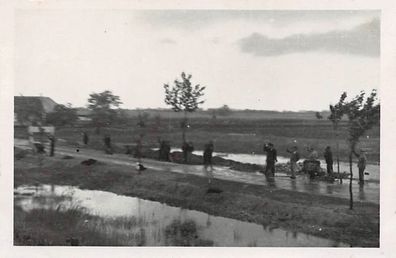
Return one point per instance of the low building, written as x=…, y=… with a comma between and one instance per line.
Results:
x=32, y=110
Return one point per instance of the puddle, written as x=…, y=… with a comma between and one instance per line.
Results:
x=156, y=218
x=259, y=159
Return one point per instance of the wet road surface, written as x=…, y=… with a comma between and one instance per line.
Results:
x=369, y=192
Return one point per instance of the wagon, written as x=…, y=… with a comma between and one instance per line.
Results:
x=311, y=167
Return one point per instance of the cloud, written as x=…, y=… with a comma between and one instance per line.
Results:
x=361, y=40
x=168, y=41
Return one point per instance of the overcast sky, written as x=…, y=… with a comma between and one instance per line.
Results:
x=273, y=60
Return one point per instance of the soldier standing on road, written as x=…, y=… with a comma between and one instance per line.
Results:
x=362, y=166
x=107, y=142
x=328, y=155
x=52, y=145
x=85, y=138
x=271, y=159
x=207, y=159
x=294, y=157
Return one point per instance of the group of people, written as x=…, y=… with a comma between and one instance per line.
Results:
x=312, y=157
x=269, y=149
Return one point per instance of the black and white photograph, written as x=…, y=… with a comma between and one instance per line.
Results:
x=189, y=127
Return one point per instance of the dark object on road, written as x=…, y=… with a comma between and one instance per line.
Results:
x=311, y=167
x=68, y=157
x=73, y=241
x=214, y=190
x=39, y=148
x=140, y=167
x=88, y=162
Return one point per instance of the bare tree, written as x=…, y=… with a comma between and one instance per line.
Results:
x=362, y=114
x=184, y=97
x=337, y=111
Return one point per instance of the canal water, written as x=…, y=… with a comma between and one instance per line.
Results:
x=156, y=217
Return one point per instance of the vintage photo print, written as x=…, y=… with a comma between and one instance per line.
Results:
x=197, y=127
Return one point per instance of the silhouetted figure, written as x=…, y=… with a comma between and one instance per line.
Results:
x=107, y=142
x=85, y=138
x=52, y=145
x=271, y=159
x=164, y=151
x=187, y=148
x=207, y=160
x=294, y=157
x=328, y=155
x=362, y=160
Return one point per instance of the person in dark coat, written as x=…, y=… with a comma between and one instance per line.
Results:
x=52, y=145
x=85, y=138
x=207, y=159
x=187, y=148
x=328, y=155
x=271, y=159
x=107, y=142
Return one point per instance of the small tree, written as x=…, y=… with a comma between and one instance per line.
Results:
x=184, y=97
x=362, y=115
x=62, y=115
x=337, y=111
x=103, y=106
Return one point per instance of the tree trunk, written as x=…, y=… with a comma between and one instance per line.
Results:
x=350, y=182
x=338, y=155
x=184, y=127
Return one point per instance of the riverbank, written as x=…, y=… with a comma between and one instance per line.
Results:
x=322, y=216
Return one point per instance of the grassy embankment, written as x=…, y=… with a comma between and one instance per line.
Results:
x=322, y=216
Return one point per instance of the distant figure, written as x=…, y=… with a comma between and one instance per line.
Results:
x=328, y=155
x=187, y=148
x=52, y=145
x=164, y=151
x=207, y=159
x=85, y=138
x=107, y=142
x=271, y=159
x=294, y=157
x=362, y=166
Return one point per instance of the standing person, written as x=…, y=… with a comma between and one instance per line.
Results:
x=85, y=138
x=328, y=155
x=107, y=142
x=52, y=145
x=362, y=166
x=207, y=159
x=294, y=157
x=187, y=148
x=271, y=159
x=185, y=151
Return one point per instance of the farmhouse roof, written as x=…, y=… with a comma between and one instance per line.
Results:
x=38, y=102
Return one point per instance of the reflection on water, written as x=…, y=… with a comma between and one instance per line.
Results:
x=153, y=223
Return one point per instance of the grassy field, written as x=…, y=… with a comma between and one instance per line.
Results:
x=230, y=134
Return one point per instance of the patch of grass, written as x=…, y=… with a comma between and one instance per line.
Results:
x=184, y=234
